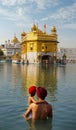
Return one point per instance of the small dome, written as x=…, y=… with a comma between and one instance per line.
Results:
x=23, y=34
x=64, y=55
x=14, y=40
x=53, y=29
x=34, y=27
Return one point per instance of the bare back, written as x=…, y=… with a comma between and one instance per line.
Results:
x=41, y=110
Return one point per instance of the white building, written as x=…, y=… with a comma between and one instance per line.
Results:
x=12, y=47
x=69, y=52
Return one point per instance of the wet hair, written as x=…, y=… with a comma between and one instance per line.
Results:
x=41, y=92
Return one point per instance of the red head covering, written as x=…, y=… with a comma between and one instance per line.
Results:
x=41, y=92
x=32, y=90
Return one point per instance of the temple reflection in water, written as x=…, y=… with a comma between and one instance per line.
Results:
x=39, y=75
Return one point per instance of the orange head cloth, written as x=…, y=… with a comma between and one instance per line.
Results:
x=32, y=90
x=41, y=92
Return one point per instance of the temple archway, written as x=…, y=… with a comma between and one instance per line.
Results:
x=45, y=59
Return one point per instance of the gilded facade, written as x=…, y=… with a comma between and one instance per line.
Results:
x=38, y=46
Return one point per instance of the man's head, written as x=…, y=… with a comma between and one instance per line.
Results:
x=32, y=90
x=41, y=92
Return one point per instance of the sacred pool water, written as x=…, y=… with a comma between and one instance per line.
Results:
x=60, y=82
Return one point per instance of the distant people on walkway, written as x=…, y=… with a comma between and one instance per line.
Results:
x=40, y=109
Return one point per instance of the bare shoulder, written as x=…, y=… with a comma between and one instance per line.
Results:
x=49, y=105
x=29, y=97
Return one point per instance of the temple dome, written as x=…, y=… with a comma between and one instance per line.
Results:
x=53, y=29
x=23, y=34
x=34, y=27
x=15, y=40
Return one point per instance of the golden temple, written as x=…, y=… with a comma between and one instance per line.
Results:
x=37, y=46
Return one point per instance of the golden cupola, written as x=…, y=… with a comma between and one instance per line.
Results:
x=53, y=29
x=15, y=40
x=23, y=34
x=34, y=28
x=54, y=33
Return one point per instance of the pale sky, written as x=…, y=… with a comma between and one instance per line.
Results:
x=17, y=16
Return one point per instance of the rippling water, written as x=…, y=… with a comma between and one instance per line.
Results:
x=60, y=82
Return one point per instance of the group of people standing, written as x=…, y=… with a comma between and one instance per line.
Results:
x=40, y=108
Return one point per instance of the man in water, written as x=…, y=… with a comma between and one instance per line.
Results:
x=40, y=110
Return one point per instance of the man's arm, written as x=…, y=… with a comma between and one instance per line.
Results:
x=26, y=114
x=34, y=101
